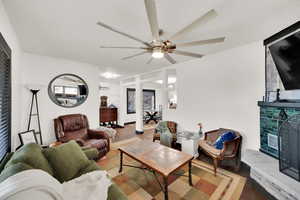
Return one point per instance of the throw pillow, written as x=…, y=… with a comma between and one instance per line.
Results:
x=13, y=169
x=225, y=137
x=6, y=158
x=66, y=160
x=31, y=154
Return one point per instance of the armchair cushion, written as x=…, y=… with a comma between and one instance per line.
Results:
x=96, y=143
x=209, y=148
x=225, y=137
x=67, y=160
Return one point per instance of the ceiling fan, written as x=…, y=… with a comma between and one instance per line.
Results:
x=163, y=48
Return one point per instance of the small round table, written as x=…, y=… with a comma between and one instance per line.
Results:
x=189, y=142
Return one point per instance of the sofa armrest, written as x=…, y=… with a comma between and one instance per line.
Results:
x=114, y=193
x=95, y=134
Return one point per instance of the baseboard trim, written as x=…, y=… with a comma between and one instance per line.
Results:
x=129, y=123
x=139, y=132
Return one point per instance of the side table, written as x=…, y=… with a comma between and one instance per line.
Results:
x=189, y=142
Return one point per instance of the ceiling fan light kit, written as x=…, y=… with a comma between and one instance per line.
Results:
x=157, y=53
x=163, y=48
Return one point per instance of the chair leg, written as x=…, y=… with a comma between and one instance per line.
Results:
x=215, y=165
x=237, y=164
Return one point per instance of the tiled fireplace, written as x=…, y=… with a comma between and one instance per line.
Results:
x=272, y=115
x=280, y=135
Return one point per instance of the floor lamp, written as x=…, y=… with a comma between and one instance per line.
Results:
x=34, y=89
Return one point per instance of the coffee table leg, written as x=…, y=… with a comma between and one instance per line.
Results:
x=166, y=188
x=190, y=173
x=121, y=161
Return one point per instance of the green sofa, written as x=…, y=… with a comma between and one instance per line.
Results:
x=64, y=162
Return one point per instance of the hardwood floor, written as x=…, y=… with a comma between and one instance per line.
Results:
x=251, y=191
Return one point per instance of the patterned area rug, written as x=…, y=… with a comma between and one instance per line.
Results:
x=140, y=184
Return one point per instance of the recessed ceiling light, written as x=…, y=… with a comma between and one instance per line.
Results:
x=171, y=80
x=110, y=75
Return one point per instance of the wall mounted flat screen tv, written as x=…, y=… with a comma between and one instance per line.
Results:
x=286, y=56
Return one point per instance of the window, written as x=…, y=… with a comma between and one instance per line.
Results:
x=71, y=91
x=5, y=98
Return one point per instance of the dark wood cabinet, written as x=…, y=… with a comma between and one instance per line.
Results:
x=108, y=115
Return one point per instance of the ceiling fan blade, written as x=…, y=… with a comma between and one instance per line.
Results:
x=201, y=42
x=119, y=47
x=132, y=56
x=200, y=21
x=149, y=61
x=152, y=18
x=122, y=33
x=170, y=59
x=186, y=53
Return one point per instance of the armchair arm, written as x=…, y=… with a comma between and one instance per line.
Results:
x=80, y=142
x=59, y=133
x=94, y=134
x=63, y=139
x=230, y=148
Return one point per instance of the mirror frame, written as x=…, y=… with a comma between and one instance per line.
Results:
x=53, y=98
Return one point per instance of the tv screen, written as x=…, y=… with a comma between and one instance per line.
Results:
x=286, y=56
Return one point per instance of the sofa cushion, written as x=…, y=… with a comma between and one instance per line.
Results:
x=6, y=158
x=31, y=154
x=91, y=153
x=13, y=169
x=92, y=166
x=66, y=160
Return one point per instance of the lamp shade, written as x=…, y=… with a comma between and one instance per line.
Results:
x=34, y=86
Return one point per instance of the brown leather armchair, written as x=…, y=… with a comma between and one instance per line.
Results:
x=231, y=149
x=76, y=127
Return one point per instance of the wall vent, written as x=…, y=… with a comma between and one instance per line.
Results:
x=273, y=141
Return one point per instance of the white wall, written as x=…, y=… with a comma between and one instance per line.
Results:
x=10, y=36
x=222, y=90
x=113, y=93
x=41, y=70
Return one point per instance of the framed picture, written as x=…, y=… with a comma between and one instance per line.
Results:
x=130, y=100
x=28, y=137
x=149, y=100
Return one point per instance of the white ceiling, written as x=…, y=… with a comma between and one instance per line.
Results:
x=67, y=28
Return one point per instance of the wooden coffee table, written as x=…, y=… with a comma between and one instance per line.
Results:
x=157, y=159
